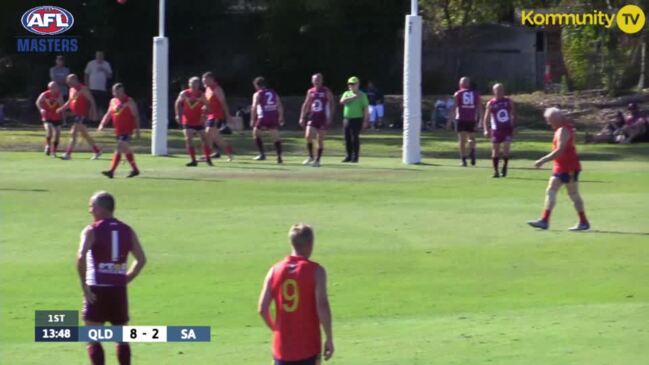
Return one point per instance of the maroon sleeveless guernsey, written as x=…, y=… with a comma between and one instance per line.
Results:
x=106, y=261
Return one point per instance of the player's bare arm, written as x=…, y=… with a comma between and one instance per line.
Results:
x=485, y=121
x=280, y=110
x=253, y=110
x=564, y=135
x=93, y=115
x=220, y=96
x=104, y=120
x=513, y=115
x=87, y=240
x=64, y=107
x=265, y=299
x=140, y=259
x=136, y=115
x=305, y=109
x=324, y=311
x=205, y=103
x=60, y=99
x=39, y=103
x=178, y=105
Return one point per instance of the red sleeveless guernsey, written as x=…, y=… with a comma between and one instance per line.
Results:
x=192, y=108
x=122, y=116
x=296, y=335
x=79, y=104
x=568, y=161
x=50, y=104
x=216, y=109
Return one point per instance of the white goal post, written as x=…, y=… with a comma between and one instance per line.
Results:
x=412, y=87
x=160, y=106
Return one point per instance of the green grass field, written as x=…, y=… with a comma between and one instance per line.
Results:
x=428, y=264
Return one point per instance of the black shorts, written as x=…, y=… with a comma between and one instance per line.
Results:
x=76, y=119
x=111, y=305
x=212, y=123
x=466, y=126
x=567, y=177
x=309, y=361
x=123, y=137
x=197, y=128
x=54, y=123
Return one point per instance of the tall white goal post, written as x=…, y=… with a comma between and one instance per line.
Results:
x=160, y=115
x=412, y=87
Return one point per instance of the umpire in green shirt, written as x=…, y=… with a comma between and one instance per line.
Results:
x=355, y=117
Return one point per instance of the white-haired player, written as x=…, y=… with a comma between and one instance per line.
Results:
x=566, y=170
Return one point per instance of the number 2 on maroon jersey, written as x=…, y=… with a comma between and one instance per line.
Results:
x=270, y=98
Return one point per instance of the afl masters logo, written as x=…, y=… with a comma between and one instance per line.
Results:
x=47, y=20
x=48, y=23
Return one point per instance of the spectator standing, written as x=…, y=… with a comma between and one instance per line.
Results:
x=376, y=108
x=58, y=73
x=98, y=71
x=355, y=117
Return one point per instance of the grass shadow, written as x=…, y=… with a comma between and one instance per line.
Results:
x=618, y=232
x=25, y=190
x=178, y=179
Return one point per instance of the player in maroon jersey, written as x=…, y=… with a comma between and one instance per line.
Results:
x=498, y=124
x=102, y=266
x=315, y=117
x=466, y=112
x=565, y=171
x=47, y=103
x=298, y=286
x=267, y=114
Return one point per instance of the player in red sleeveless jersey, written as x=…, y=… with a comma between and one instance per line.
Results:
x=102, y=263
x=466, y=112
x=267, y=114
x=82, y=105
x=565, y=172
x=219, y=114
x=122, y=111
x=298, y=286
x=48, y=102
x=498, y=124
x=316, y=116
x=191, y=106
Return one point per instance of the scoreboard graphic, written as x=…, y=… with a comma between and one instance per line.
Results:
x=63, y=326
